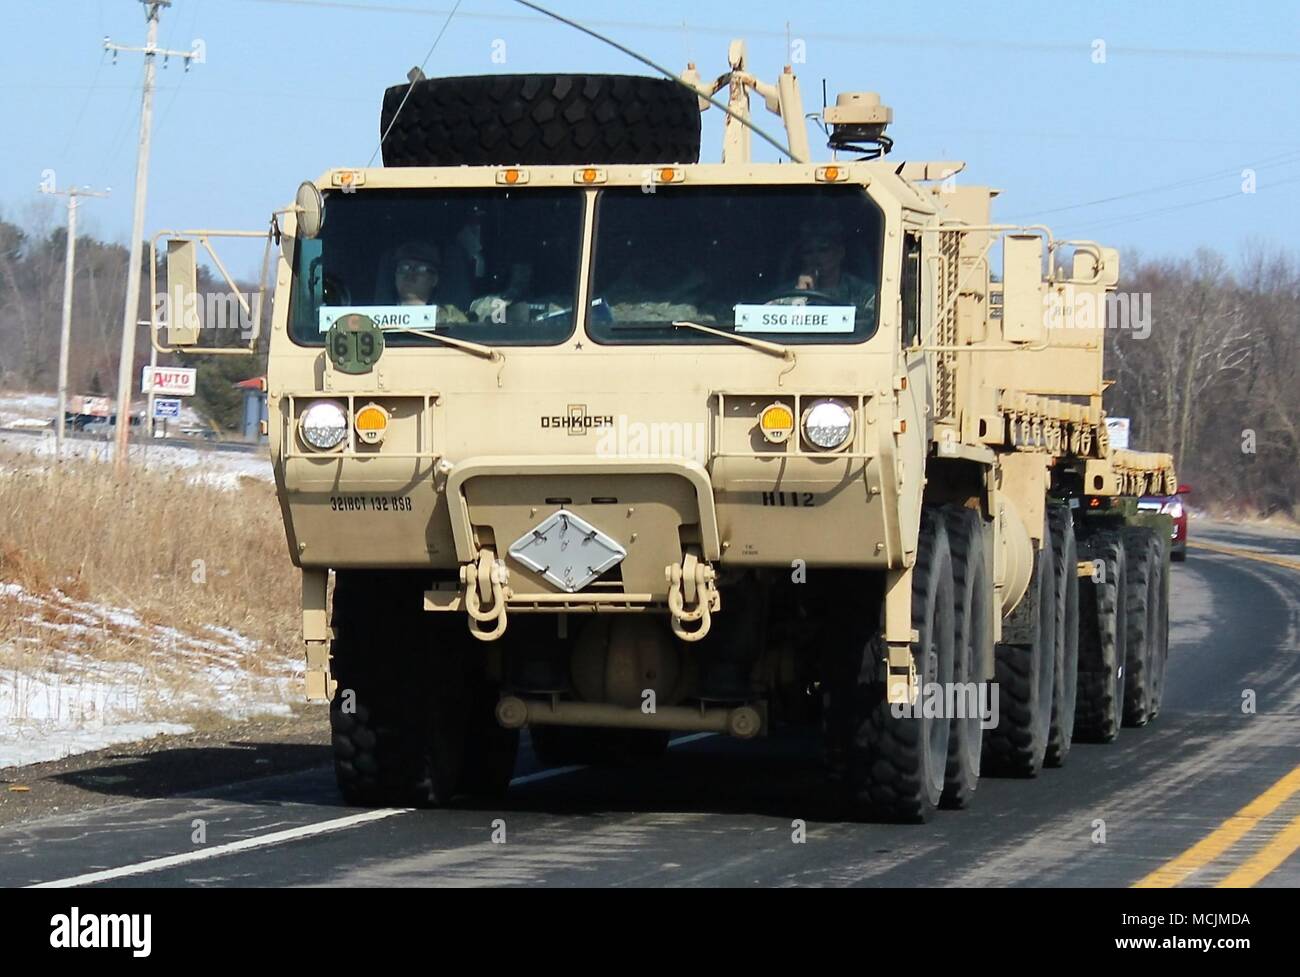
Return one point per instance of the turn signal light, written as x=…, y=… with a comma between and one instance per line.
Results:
x=371, y=424
x=776, y=421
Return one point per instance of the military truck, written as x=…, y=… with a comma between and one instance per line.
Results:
x=576, y=434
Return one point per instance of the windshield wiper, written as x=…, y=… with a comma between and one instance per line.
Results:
x=773, y=349
x=478, y=349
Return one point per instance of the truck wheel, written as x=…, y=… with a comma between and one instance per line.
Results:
x=895, y=759
x=399, y=714
x=1162, y=644
x=972, y=643
x=1025, y=672
x=540, y=119
x=1065, y=696
x=1103, y=611
x=1143, y=653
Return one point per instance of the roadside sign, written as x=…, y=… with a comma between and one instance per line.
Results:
x=176, y=381
x=167, y=407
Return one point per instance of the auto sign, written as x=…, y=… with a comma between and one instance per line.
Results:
x=177, y=381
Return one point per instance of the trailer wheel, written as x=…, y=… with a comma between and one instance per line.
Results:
x=972, y=643
x=1025, y=672
x=1143, y=653
x=399, y=715
x=1103, y=613
x=893, y=758
x=1065, y=695
x=540, y=119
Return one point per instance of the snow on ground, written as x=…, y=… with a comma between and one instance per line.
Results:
x=26, y=408
x=222, y=469
x=77, y=676
x=21, y=415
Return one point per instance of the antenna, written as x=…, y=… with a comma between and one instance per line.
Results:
x=414, y=75
x=666, y=73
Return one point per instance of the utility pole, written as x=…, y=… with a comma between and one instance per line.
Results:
x=125, y=379
x=65, y=333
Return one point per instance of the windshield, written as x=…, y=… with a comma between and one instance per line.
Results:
x=496, y=267
x=789, y=264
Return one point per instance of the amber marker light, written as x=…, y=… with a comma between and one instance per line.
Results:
x=371, y=423
x=776, y=421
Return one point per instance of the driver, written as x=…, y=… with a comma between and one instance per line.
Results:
x=819, y=260
x=415, y=276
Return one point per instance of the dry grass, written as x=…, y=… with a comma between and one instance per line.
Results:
x=156, y=598
x=176, y=553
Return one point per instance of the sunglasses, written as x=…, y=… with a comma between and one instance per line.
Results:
x=414, y=268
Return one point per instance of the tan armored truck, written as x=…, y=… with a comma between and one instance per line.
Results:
x=575, y=434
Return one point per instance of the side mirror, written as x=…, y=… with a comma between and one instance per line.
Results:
x=182, y=293
x=1184, y=490
x=309, y=208
x=1023, y=310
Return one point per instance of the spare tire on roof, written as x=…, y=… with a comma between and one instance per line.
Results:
x=540, y=119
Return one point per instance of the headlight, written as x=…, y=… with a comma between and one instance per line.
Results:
x=324, y=425
x=827, y=424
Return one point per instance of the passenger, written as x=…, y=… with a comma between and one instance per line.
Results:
x=415, y=276
x=819, y=258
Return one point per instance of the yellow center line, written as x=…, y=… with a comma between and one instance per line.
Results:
x=1223, y=837
x=1246, y=554
x=1278, y=850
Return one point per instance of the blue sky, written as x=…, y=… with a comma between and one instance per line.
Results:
x=1189, y=95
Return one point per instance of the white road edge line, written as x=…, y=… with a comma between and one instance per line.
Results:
x=261, y=841
x=291, y=834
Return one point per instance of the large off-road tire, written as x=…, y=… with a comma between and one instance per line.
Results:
x=1025, y=672
x=1103, y=613
x=893, y=759
x=1144, y=652
x=1065, y=550
x=400, y=713
x=565, y=746
x=1162, y=644
x=540, y=119
x=972, y=645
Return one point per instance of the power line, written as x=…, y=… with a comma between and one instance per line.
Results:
x=879, y=40
x=76, y=125
x=167, y=110
x=1193, y=181
x=1145, y=215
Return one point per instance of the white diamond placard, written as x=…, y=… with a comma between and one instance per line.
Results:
x=567, y=550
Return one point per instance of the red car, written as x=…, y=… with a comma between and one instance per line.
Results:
x=1171, y=505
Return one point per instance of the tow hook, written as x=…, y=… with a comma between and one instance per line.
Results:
x=692, y=597
x=485, y=586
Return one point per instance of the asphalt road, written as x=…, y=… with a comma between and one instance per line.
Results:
x=716, y=812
